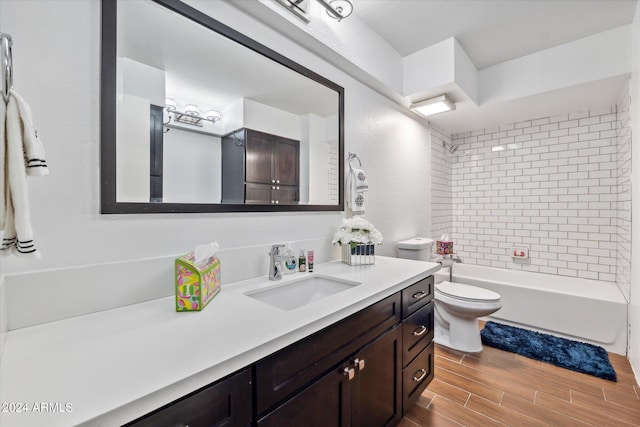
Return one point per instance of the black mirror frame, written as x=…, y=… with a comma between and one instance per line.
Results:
x=108, y=202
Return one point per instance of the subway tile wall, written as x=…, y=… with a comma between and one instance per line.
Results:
x=555, y=192
x=333, y=172
x=441, y=193
x=623, y=204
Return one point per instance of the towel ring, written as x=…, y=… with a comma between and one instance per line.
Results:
x=353, y=156
x=7, y=65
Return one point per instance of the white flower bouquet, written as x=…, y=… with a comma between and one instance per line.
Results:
x=358, y=238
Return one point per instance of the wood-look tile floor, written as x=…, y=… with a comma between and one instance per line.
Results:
x=498, y=388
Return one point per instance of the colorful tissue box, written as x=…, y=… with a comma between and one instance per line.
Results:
x=444, y=247
x=196, y=286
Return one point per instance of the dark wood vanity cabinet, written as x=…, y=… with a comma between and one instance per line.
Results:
x=226, y=403
x=260, y=168
x=364, y=390
x=348, y=374
x=363, y=371
x=417, y=340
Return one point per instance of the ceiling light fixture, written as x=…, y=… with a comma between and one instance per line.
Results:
x=337, y=9
x=191, y=114
x=432, y=106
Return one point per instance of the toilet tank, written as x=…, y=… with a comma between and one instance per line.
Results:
x=418, y=248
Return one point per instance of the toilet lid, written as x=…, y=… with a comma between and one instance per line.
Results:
x=467, y=292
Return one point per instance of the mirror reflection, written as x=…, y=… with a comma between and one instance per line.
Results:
x=202, y=119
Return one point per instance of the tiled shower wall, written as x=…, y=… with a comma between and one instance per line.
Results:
x=441, y=196
x=623, y=205
x=557, y=194
x=333, y=173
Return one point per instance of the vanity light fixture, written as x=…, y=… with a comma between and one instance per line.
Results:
x=191, y=114
x=432, y=106
x=337, y=9
x=170, y=104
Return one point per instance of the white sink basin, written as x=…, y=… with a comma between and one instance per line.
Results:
x=296, y=293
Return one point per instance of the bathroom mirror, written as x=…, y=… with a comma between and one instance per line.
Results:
x=197, y=117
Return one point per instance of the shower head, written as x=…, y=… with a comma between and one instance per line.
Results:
x=451, y=148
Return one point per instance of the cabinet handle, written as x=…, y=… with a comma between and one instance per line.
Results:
x=273, y=201
x=277, y=188
x=419, y=295
x=419, y=331
x=273, y=187
x=277, y=201
x=273, y=181
x=350, y=372
x=277, y=181
x=423, y=374
x=359, y=364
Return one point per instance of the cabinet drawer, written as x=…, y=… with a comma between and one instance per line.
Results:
x=226, y=403
x=416, y=296
x=417, y=376
x=294, y=367
x=417, y=332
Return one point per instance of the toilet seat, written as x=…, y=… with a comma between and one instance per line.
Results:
x=464, y=292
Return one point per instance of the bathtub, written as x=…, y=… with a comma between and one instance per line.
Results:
x=580, y=309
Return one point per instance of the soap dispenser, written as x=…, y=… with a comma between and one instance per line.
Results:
x=290, y=262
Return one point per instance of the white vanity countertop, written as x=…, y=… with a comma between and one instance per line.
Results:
x=110, y=367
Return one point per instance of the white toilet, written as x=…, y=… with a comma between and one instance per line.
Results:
x=457, y=310
x=457, y=306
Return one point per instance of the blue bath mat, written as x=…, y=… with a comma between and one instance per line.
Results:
x=586, y=358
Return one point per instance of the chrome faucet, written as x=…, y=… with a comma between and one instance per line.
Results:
x=274, y=262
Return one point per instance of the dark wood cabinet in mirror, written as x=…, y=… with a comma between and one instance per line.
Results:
x=267, y=134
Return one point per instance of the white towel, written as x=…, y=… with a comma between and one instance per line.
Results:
x=24, y=155
x=359, y=179
x=355, y=198
x=34, y=151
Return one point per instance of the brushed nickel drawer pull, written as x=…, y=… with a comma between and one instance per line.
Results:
x=419, y=295
x=421, y=330
x=350, y=372
x=423, y=374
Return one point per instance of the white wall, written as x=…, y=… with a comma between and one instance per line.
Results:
x=57, y=70
x=132, y=149
x=634, y=304
x=192, y=167
x=623, y=202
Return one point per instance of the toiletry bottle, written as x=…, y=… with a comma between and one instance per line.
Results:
x=310, y=260
x=290, y=263
x=302, y=261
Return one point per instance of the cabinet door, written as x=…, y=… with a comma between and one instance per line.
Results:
x=285, y=161
x=417, y=332
x=416, y=296
x=326, y=403
x=226, y=403
x=417, y=376
x=156, y=151
x=377, y=388
x=233, y=151
x=285, y=194
x=258, y=193
x=258, y=160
